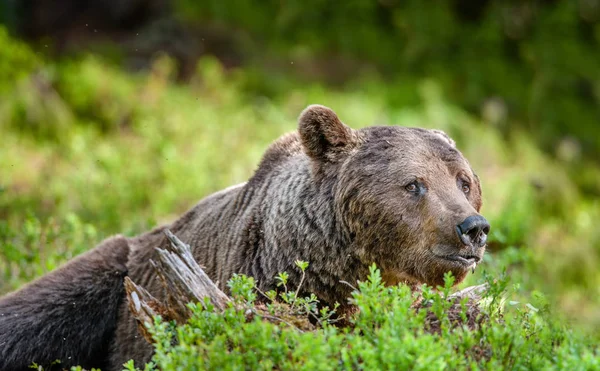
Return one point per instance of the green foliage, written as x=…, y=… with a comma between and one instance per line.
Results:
x=36, y=247
x=242, y=289
x=106, y=104
x=17, y=61
x=388, y=333
x=522, y=64
x=288, y=302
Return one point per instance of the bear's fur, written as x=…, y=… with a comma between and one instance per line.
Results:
x=338, y=198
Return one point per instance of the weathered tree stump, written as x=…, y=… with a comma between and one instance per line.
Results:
x=183, y=280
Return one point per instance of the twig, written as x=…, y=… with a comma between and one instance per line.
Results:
x=348, y=283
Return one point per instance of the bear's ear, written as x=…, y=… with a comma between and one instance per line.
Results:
x=322, y=133
x=445, y=137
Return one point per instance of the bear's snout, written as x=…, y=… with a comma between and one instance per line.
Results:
x=473, y=231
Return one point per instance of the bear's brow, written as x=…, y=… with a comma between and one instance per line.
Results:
x=443, y=150
x=450, y=155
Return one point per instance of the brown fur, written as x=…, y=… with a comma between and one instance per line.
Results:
x=338, y=198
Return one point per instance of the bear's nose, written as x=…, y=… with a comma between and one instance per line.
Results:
x=473, y=230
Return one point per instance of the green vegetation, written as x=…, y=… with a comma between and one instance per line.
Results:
x=532, y=62
x=387, y=333
x=89, y=150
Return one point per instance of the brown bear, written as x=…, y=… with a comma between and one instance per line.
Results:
x=341, y=199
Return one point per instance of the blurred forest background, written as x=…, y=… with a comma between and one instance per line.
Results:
x=118, y=115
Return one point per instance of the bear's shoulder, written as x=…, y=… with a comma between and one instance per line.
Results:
x=279, y=152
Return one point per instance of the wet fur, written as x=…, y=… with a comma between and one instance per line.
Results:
x=328, y=195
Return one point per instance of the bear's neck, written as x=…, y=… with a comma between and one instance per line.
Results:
x=293, y=218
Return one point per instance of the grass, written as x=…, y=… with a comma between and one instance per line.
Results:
x=89, y=150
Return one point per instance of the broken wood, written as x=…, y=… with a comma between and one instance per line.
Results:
x=471, y=292
x=183, y=280
x=143, y=306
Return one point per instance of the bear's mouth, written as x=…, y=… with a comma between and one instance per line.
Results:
x=466, y=261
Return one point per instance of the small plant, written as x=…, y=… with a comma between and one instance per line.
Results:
x=284, y=303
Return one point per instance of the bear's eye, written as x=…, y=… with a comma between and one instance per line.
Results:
x=466, y=188
x=412, y=187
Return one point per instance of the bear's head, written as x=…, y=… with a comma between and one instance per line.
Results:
x=406, y=198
